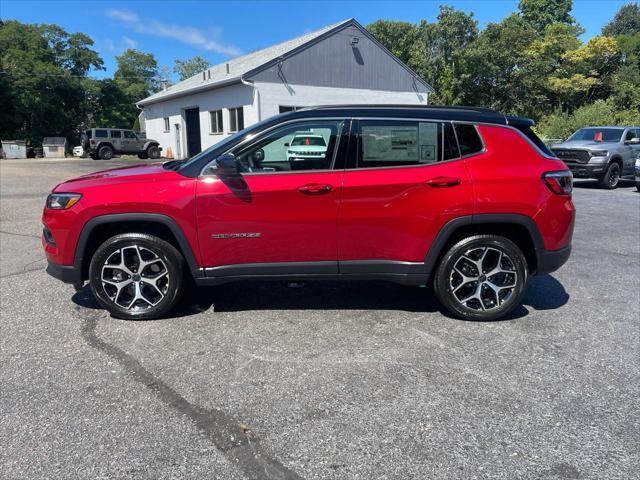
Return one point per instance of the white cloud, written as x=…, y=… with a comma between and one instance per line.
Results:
x=184, y=34
x=129, y=42
x=124, y=15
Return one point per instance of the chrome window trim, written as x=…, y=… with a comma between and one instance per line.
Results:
x=453, y=122
x=414, y=119
x=295, y=120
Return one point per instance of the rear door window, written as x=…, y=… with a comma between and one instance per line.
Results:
x=398, y=143
x=116, y=134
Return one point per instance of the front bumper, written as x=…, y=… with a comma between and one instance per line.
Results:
x=551, y=260
x=65, y=273
x=586, y=170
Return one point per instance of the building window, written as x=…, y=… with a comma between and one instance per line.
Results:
x=216, y=121
x=236, y=119
x=166, y=124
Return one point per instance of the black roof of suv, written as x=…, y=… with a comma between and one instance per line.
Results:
x=433, y=112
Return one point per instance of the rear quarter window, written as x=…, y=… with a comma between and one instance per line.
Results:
x=468, y=139
x=531, y=135
x=101, y=134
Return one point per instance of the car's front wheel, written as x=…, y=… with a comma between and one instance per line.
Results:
x=136, y=276
x=611, y=178
x=481, y=278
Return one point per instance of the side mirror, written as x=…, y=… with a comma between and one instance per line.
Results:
x=227, y=165
x=286, y=144
x=633, y=141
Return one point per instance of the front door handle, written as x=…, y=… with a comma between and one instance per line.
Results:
x=443, y=182
x=315, y=188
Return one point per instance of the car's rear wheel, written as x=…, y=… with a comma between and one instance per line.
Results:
x=611, y=178
x=105, y=153
x=136, y=276
x=481, y=278
x=142, y=156
x=153, y=152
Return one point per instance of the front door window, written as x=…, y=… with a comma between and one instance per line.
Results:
x=309, y=145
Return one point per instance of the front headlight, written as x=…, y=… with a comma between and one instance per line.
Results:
x=599, y=153
x=62, y=201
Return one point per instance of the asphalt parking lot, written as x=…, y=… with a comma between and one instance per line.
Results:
x=329, y=381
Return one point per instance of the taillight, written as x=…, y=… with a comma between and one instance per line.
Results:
x=559, y=182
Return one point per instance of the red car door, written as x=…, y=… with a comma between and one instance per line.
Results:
x=406, y=181
x=281, y=211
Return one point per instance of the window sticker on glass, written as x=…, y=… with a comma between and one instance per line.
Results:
x=390, y=144
x=428, y=142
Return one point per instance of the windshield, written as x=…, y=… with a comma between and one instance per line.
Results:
x=598, y=134
x=313, y=141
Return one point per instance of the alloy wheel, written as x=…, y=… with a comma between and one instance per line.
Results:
x=135, y=278
x=614, y=176
x=483, y=278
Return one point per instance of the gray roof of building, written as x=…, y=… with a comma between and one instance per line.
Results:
x=232, y=71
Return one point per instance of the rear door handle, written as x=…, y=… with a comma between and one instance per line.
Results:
x=443, y=182
x=315, y=188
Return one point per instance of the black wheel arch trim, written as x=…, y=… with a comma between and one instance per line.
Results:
x=165, y=220
x=449, y=229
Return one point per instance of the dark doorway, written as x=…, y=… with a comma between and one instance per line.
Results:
x=192, y=118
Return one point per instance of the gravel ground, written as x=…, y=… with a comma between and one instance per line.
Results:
x=330, y=381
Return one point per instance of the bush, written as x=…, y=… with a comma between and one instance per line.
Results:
x=601, y=112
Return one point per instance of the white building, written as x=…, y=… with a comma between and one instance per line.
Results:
x=339, y=64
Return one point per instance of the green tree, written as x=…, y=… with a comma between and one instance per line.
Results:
x=43, y=83
x=397, y=37
x=541, y=13
x=440, y=54
x=625, y=22
x=495, y=66
x=135, y=78
x=190, y=67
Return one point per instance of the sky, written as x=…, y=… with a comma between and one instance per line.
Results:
x=219, y=30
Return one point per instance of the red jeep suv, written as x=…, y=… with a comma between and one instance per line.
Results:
x=464, y=198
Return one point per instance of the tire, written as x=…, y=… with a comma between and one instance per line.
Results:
x=153, y=152
x=142, y=156
x=638, y=186
x=611, y=178
x=105, y=152
x=130, y=293
x=460, y=295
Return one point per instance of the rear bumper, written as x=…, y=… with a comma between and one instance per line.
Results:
x=65, y=273
x=551, y=260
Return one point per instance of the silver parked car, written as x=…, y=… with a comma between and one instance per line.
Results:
x=605, y=153
x=104, y=143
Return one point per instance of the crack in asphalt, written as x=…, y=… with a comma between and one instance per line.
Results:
x=24, y=270
x=228, y=435
x=19, y=234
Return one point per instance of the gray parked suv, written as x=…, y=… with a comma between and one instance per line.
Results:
x=104, y=143
x=605, y=153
